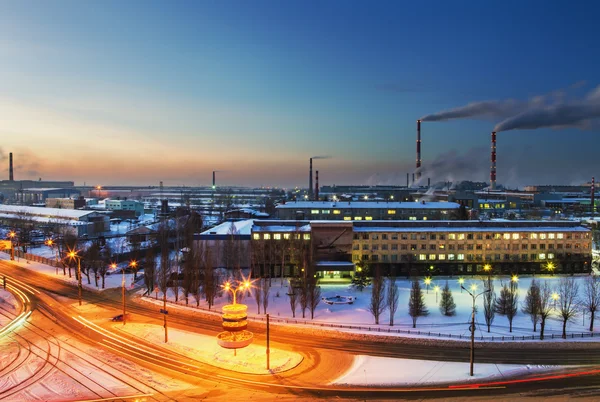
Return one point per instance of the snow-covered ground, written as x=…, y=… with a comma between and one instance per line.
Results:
x=357, y=314
x=9, y=307
x=250, y=360
x=385, y=371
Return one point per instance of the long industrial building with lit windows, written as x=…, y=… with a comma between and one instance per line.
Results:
x=332, y=249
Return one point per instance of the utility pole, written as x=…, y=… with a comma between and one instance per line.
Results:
x=268, y=350
x=165, y=315
x=472, y=357
x=123, y=286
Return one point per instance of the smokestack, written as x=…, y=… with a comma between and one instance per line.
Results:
x=317, y=186
x=418, y=149
x=493, y=160
x=413, y=182
x=214, y=181
x=407, y=180
x=310, y=183
x=428, y=182
x=10, y=168
x=593, y=196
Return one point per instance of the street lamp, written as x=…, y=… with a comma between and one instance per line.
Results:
x=427, y=282
x=514, y=279
x=555, y=297
x=550, y=267
x=239, y=288
x=436, y=289
x=473, y=288
x=73, y=255
x=461, y=281
x=50, y=243
x=12, y=236
x=98, y=188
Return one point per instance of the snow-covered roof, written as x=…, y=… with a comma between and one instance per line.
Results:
x=280, y=228
x=44, y=189
x=44, y=219
x=45, y=212
x=500, y=229
x=369, y=205
x=242, y=227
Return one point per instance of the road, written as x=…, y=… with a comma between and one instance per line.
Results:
x=325, y=358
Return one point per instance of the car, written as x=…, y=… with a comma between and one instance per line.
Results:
x=119, y=318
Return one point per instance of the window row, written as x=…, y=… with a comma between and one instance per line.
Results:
x=279, y=236
x=470, y=236
x=487, y=247
x=453, y=257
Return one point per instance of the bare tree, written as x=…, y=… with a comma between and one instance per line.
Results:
x=150, y=270
x=507, y=303
x=197, y=274
x=293, y=295
x=314, y=296
x=189, y=267
x=568, y=301
x=303, y=297
x=591, y=297
x=377, y=304
x=416, y=303
x=531, y=305
x=545, y=306
x=392, y=297
x=489, y=301
x=258, y=293
x=93, y=261
x=211, y=283
x=265, y=296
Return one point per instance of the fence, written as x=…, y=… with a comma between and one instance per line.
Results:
x=391, y=330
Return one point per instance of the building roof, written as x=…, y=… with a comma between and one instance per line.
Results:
x=369, y=205
x=45, y=212
x=242, y=227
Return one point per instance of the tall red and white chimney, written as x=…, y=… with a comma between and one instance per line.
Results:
x=316, y=185
x=493, y=160
x=593, y=197
x=418, y=149
x=11, y=176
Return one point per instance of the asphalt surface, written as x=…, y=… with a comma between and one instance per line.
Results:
x=326, y=357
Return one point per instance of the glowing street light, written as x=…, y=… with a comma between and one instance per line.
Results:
x=550, y=267
x=366, y=197
x=487, y=268
x=242, y=286
x=436, y=289
x=555, y=297
x=461, y=282
x=50, y=243
x=514, y=279
x=12, y=236
x=73, y=255
x=473, y=287
x=427, y=282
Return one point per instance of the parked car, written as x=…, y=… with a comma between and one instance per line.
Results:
x=119, y=317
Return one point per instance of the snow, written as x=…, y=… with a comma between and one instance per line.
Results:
x=242, y=227
x=385, y=371
x=8, y=307
x=46, y=212
x=249, y=360
x=435, y=324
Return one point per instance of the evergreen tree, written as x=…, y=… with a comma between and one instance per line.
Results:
x=447, y=305
x=531, y=304
x=361, y=276
x=416, y=303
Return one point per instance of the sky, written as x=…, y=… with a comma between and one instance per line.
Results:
x=138, y=92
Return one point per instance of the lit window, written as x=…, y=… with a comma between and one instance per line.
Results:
x=550, y=256
x=325, y=211
x=267, y=236
x=256, y=236
x=412, y=218
x=422, y=257
x=336, y=211
x=306, y=236
x=560, y=236
x=515, y=236
x=542, y=256
x=481, y=206
x=442, y=256
x=391, y=211
x=347, y=218
x=424, y=218
x=432, y=256
x=358, y=218
x=368, y=218
x=442, y=246
x=506, y=236
x=286, y=236
x=314, y=211
x=550, y=235
x=497, y=236
x=451, y=236
x=461, y=236
x=487, y=206
x=451, y=257
x=277, y=236
x=533, y=236
x=461, y=257
x=543, y=236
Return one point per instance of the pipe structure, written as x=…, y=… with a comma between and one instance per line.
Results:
x=317, y=185
x=214, y=185
x=593, y=197
x=418, y=149
x=408, y=180
x=310, y=181
x=493, y=160
x=11, y=176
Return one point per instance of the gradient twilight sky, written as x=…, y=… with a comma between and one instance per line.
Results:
x=134, y=92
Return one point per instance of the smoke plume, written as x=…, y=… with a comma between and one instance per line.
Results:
x=484, y=109
x=321, y=157
x=561, y=114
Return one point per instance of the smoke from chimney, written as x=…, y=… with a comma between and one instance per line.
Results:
x=11, y=176
x=317, y=185
x=418, y=149
x=493, y=162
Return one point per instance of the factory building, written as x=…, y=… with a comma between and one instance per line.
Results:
x=37, y=195
x=366, y=210
x=125, y=208
x=66, y=203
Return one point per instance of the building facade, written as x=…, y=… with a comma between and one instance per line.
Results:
x=66, y=203
x=136, y=208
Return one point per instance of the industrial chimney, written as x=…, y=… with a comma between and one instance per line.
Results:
x=317, y=185
x=493, y=160
x=418, y=149
x=10, y=168
x=310, y=183
x=593, y=196
x=214, y=185
x=407, y=180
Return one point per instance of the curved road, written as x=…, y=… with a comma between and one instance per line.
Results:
x=323, y=355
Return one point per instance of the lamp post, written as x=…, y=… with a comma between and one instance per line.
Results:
x=240, y=288
x=12, y=235
x=461, y=281
x=98, y=188
x=473, y=289
x=427, y=282
x=50, y=243
x=550, y=267
x=555, y=297
x=436, y=288
x=73, y=255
